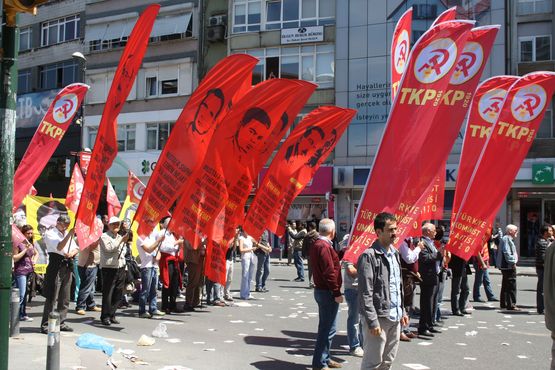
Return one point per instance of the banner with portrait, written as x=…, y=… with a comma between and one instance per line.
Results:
x=298, y=159
x=499, y=162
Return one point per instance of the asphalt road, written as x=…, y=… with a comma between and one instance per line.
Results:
x=277, y=331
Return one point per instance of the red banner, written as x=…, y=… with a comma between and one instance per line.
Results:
x=17, y=236
x=484, y=111
x=400, y=174
x=186, y=148
x=241, y=147
x=293, y=167
x=135, y=188
x=215, y=265
x=431, y=205
x=84, y=160
x=87, y=235
x=106, y=148
x=75, y=189
x=500, y=161
x=448, y=15
x=114, y=206
x=400, y=49
x=46, y=139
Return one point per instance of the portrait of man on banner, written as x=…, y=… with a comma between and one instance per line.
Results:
x=250, y=137
x=207, y=112
x=307, y=143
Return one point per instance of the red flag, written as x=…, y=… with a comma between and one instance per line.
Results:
x=484, y=111
x=187, y=145
x=75, y=189
x=135, y=188
x=114, y=206
x=17, y=236
x=106, y=147
x=49, y=133
x=448, y=15
x=400, y=49
x=431, y=204
x=84, y=161
x=500, y=161
x=294, y=165
x=87, y=235
x=399, y=175
x=215, y=265
x=240, y=148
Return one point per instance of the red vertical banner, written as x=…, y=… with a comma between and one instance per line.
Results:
x=188, y=143
x=84, y=160
x=114, y=206
x=135, y=188
x=215, y=265
x=448, y=15
x=484, y=111
x=400, y=49
x=105, y=149
x=298, y=159
x=431, y=205
x=500, y=160
x=239, y=150
x=75, y=189
x=399, y=176
x=49, y=133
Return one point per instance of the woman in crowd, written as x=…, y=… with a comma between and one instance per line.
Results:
x=24, y=256
x=246, y=248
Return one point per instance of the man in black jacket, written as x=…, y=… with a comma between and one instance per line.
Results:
x=546, y=232
x=429, y=266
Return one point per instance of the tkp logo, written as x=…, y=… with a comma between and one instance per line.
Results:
x=435, y=60
x=469, y=63
x=138, y=190
x=490, y=104
x=401, y=52
x=65, y=108
x=528, y=103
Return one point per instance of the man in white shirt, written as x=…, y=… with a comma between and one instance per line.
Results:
x=57, y=280
x=148, y=252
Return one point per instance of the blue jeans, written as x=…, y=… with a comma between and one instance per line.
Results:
x=327, y=312
x=21, y=283
x=262, y=269
x=149, y=283
x=482, y=277
x=298, y=258
x=354, y=334
x=212, y=291
x=248, y=265
x=85, y=297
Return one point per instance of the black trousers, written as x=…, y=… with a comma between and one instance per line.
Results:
x=57, y=283
x=427, y=294
x=169, y=295
x=459, y=291
x=113, y=283
x=508, y=288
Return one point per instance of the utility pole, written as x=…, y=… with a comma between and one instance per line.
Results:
x=8, y=90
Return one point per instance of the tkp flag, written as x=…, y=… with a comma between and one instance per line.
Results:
x=400, y=49
x=448, y=15
x=398, y=163
x=500, y=161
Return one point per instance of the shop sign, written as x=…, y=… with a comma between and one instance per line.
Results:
x=302, y=35
x=542, y=174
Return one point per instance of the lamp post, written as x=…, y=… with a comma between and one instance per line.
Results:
x=80, y=58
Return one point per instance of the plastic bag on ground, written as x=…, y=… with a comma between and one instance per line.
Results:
x=161, y=331
x=93, y=341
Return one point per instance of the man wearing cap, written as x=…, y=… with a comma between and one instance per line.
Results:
x=57, y=280
x=112, y=263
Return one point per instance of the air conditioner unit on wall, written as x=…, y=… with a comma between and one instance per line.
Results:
x=217, y=20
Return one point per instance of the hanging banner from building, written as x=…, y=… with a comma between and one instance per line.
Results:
x=75, y=189
x=239, y=149
x=400, y=49
x=47, y=138
x=298, y=159
x=106, y=148
x=448, y=15
x=186, y=148
x=500, y=161
x=114, y=206
x=484, y=111
x=399, y=175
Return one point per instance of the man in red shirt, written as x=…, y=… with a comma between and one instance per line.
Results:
x=326, y=273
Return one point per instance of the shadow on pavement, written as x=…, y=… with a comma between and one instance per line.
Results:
x=274, y=364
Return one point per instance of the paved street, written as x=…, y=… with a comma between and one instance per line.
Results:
x=277, y=331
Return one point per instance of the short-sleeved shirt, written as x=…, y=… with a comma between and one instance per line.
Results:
x=53, y=237
x=168, y=244
x=147, y=259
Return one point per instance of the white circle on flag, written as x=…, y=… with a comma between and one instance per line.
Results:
x=528, y=103
x=402, y=50
x=138, y=190
x=469, y=63
x=65, y=108
x=435, y=60
x=490, y=104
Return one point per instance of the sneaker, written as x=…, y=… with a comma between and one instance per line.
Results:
x=357, y=352
x=94, y=309
x=158, y=313
x=334, y=364
x=145, y=315
x=228, y=298
x=80, y=312
x=26, y=318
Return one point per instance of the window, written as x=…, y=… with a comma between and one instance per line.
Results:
x=297, y=13
x=161, y=81
x=126, y=138
x=168, y=87
x=24, y=81
x=157, y=135
x=424, y=11
x=25, y=39
x=546, y=129
x=151, y=85
x=60, y=30
x=313, y=63
x=534, y=48
x=525, y=7
x=58, y=75
x=92, y=132
x=246, y=15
